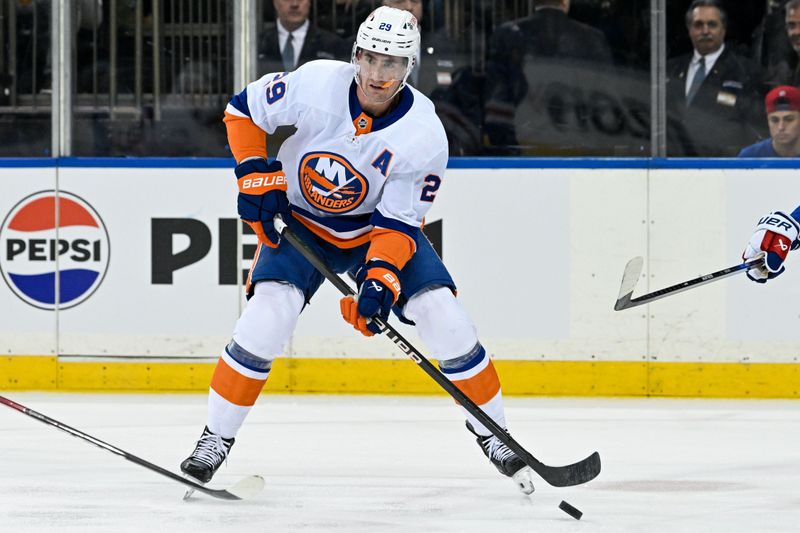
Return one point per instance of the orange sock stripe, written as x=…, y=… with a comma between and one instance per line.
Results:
x=245, y=138
x=481, y=387
x=234, y=387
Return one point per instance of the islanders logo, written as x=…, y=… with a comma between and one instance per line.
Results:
x=330, y=183
x=49, y=261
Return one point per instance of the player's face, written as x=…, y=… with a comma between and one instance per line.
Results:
x=706, y=30
x=414, y=6
x=793, y=28
x=292, y=13
x=784, y=127
x=380, y=75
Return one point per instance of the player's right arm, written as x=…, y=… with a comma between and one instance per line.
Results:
x=261, y=107
x=776, y=234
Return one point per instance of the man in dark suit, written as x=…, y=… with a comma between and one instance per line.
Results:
x=782, y=45
x=292, y=40
x=551, y=33
x=713, y=102
x=528, y=60
x=443, y=73
x=438, y=56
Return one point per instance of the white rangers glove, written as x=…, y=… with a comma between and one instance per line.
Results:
x=776, y=234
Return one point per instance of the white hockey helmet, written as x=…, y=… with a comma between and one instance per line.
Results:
x=389, y=31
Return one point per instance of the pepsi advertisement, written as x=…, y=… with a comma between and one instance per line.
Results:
x=118, y=261
x=37, y=250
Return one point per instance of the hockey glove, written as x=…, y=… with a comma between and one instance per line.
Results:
x=378, y=288
x=262, y=195
x=775, y=234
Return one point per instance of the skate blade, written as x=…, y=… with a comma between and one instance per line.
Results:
x=190, y=491
x=524, y=480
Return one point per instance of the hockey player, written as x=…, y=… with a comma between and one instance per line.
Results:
x=354, y=182
x=775, y=235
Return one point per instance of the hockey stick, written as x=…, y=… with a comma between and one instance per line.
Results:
x=634, y=269
x=557, y=476
x=244, y=488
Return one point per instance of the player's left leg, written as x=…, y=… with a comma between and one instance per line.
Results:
x=449, y=334
x=451, y=337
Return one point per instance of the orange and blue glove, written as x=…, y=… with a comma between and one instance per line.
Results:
x=775, y=234
x=378, y=289
x=262, y=195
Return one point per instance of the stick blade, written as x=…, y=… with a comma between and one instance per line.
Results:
x=247, y=487
x=574, y=474
x=629, y=279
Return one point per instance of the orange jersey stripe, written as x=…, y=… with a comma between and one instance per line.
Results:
x=391, y=246
x=481, y=387
x=245, y=138
x=324, y=235
x=234, y=387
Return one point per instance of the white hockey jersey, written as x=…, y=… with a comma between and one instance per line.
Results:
x=346, y=171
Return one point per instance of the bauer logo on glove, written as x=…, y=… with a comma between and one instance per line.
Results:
x=262, y=195
x=262, y=184
x=775, y=235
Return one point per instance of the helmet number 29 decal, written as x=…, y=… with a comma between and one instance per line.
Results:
x=385, y=26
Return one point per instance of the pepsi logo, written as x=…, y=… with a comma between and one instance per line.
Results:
x=54, y=250
x=330, y=183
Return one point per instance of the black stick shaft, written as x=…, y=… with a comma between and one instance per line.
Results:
x=692, y=283
x=113, y=449
x=575, y=474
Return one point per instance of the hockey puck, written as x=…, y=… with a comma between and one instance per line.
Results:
x=570, y=510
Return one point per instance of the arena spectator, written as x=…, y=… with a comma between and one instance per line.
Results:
x=783, y=118
x=550, y=33
x=292, y=40
x=343, y=16
x=438, y=56
x=547, y=47
x=783, y=56
x=712, y=93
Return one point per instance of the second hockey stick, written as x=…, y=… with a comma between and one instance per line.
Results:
x=557, y=476
x=244, y=488
x=634, y=269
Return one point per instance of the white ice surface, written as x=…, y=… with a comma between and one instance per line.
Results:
x=377, y=464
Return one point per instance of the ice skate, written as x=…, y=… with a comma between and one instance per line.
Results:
x=209, y=454
x=506, y=461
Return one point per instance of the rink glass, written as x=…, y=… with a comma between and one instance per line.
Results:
x=152, y=78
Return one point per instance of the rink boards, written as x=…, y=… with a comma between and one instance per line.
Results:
x=149, y=253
